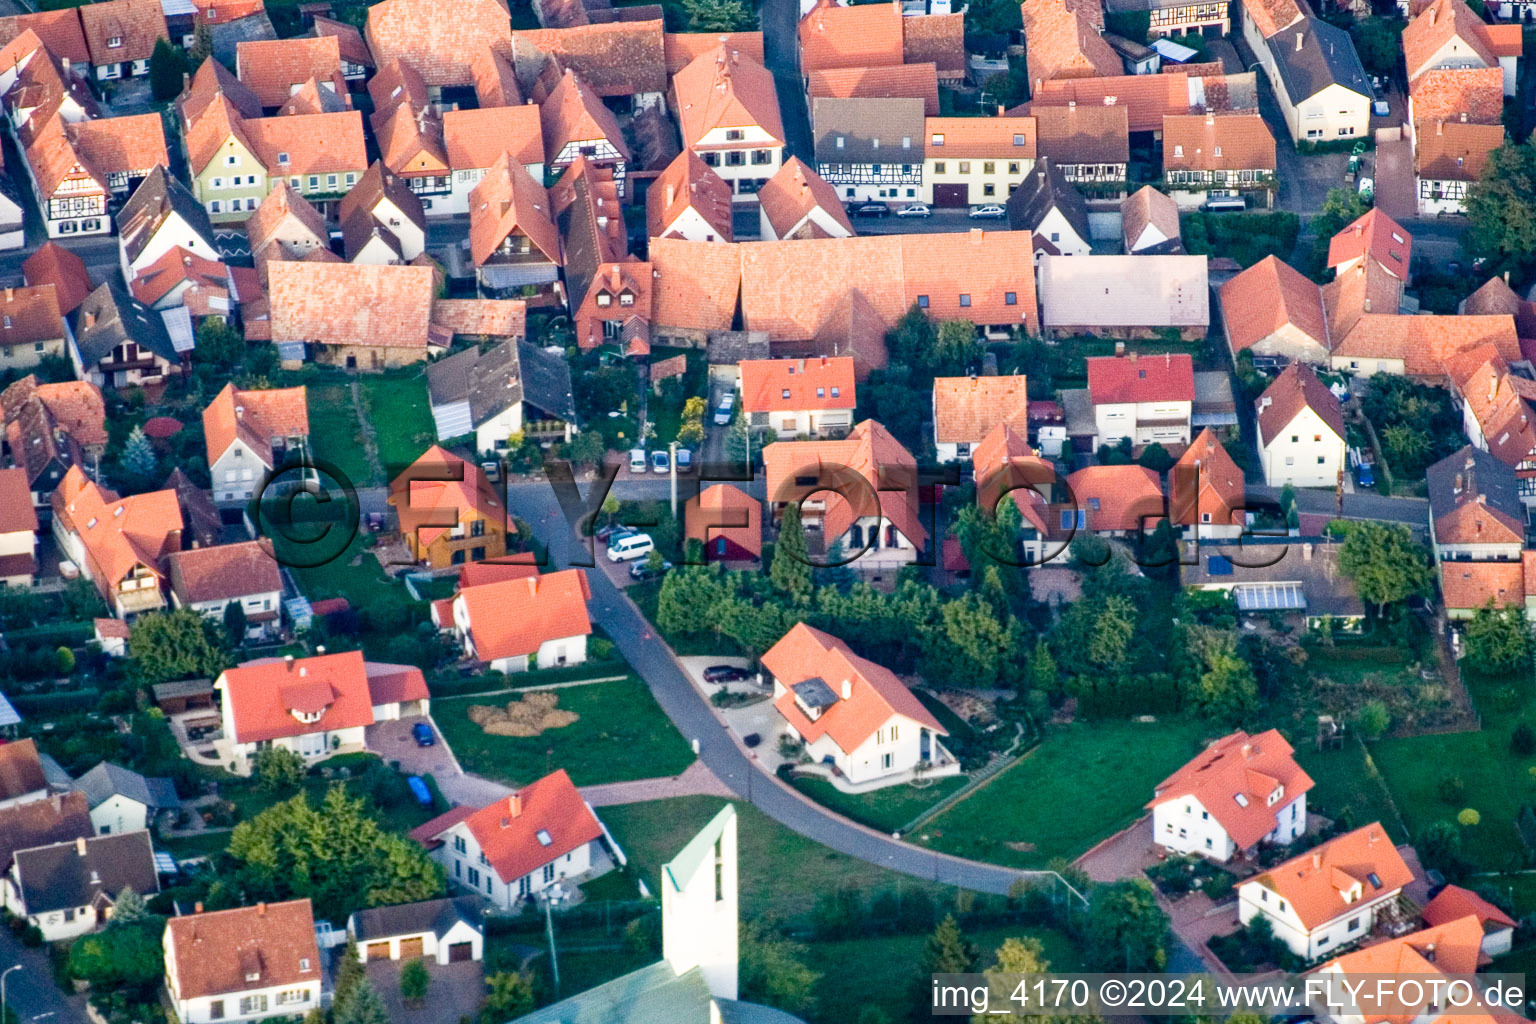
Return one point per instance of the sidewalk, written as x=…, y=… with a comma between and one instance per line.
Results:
x=696, y=780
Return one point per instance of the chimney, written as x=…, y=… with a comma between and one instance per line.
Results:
x=80, y=846
x=1317, y=860
x=1300, y=36
x=515, y=805
x=1431, y=13
x=288, y=660
x=1132, y=356
x=847, y=695
x=239, y=412
x=90, y=319
x=197, y=908
x=1306, y=552
x=261, y=909
x=1439, y=127
x=319, y=650
x=1119, y=348
x=1457, y=489
x=976, y=234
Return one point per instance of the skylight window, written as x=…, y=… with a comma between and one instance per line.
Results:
x=1242, y=799
x=544, y=838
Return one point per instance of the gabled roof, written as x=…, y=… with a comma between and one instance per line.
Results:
x=214, y=953
x=937, y=39
x=475, y=138
x=313, y=98
x=1454, y=903
x=1502, y=403
x=507, y=201
x=873, y=692
x=44, y=422
x=16, y=512
x=376, y=187
x=60, y=31
x=500, y=377
x=1217, y=142
x=254, y=417
x=1205, y=482
x=1467, y=586
x=1147, y=99
x=1148, y=208
x=488, y=318
x=58, y=819
x=495, y=81
x=868, y=452
x=1451, y=947
x=574, y=112
x=213, y=80
x=539, y=823
x=1082, y=135
x=117, y=534
x=434, y=38
x=65, y=876
x=354, y=48
x=1268, y=296
x=790, y=385
x=911, y=81
x=1046, y=189
x=1270, y=16
x=725, y=511
x=1062, y=43
x=689, y=183
x=1297, y=388
x=351, y=304
x=403, y=919
x=1453, y=151
x=1454, y=94
x=967, y=409
x=1118, y=498
x=410, y=138
x=1324, y=56
x=266, y=697
x=1452, y=23
x=1004, y=463
x=440, y=487
x=1314, y=882
x=1474, y=498
x=198, y=511
x=272, y=68
x=159, y=197
x=620, y=58
x=1132, y=378
x=1235, y=778
x=314, y=143
x=64, y=269
x=110, y=316
x=21, y=770
x=1131, y=291
x=793, y=192
x=725, y=90
x=30, y=315
x=514, y=618
x=1374, y=233
x=861, y=36
x=276, y=209
x=134, y=24
x=206, y=281
x=107, y=780
x=980, y=138
x=680, y=48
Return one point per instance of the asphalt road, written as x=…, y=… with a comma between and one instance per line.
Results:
x=31, y=991
x=781, y=50
x=1367, y=505
x=697, y=721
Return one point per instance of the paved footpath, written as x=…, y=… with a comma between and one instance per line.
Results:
x=696, y=780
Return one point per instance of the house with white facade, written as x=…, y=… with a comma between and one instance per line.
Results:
x=852, y=713
x=577, y=124
x=1475, y=511
x=799, y=203
x=315, y=707
x=475, y=139
x=1453, y=903
x=161, y=215
x=244, y=964
x=1301, y=430
x=967, y=409
x=511, y=388
x=68, y=889
x=1237, y=793
x=1319, y=82
x=18, y=530
x=446, y=931
x=870, y=149
x=690, y=200
x=517, y=624
x=728, y=110
x=520, y=846
x=799, y=397
x=1051, y=207
x=124, y=801
x=209, y=580
x=1431, y=956
x=1331, y=896
x=250, y=433
x=119, y=544
x=1147, y=399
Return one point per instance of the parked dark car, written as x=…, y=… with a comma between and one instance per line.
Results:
x=751, y=740
x=421, y=732
x=726, y=674
x=871, y=210
x=609, y=532
x=642, y=571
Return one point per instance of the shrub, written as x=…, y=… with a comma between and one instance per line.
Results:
x=1373, y=719
x=1451, y=788
x=1469, y=817
x=1523, y=740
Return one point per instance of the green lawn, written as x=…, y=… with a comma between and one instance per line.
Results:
x=652, y=833
x=396, y=404
x=1345, y=780
x=1082, y=784
x=885, y=809
x=335, y=435
x=620, y=734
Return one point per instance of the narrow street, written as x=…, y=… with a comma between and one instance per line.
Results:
x=781, y=48
x=30, y=992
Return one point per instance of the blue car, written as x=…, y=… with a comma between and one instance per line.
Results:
x=421, y=732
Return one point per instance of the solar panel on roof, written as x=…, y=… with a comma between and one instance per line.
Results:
x=1219, y=565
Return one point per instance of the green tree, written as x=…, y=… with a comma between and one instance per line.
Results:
x=139, y=458
x=219, y=345
x=177, y=645
x=1125, y=930
x=587, y=448
x=128, y=907
x=774, y=971
x=1044, y=675
x=791, y=567
x=1379, y=41
x=956, y=345
x=123, y=956
x=1373, y=719
x=971, y=645
x=1110, y=641
x=363, y=1005
x=1498, y=640
x=1340, y=207
x=1439, y=847
x=335, y=854
x=509, y=995
x=1156, y=458
x=348, y=973
x=1385, y=562
x=64, y=661
x=166, y=66
x=414, y=982
x=1015, y=957
x=947, y=950
x=1223, y=684
x=1501, y=211
x=718, y=15
x=278, y=768
x=234, y=622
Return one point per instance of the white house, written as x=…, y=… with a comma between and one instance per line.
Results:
x=967, y=409
x=250, y=433
x=1453, y=903
x=474, y=139
x=799, y=397
x=1347, y=987
x=512, y=388
x=124, y=801
x=67, y=889
x=799, y=203
x=521, y=845
x=1330, y=896
x=728, y=110
x=690, y=200
x=515, y=625
x=1237, y=793
x=382, y=220
x=445, y=931
x=315, y=706
x=1320, y=84
x=1301, y=431
x=1144, y=398
x=1051, y=207
x=209, y=580
x=161, y=215
x=852, y=713
x=243, y=964
x=18, y=530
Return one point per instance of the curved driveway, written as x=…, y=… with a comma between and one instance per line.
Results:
x=719, y=748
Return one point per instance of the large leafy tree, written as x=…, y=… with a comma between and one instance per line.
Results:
x=177, y=645
x=1013, y=958
x=1385, y=562
x=1501, y=210
x=774, y=971
x=335, y=854
x=1126, y=929
x=1498, y=640
x=791, y=567
x=718, y=15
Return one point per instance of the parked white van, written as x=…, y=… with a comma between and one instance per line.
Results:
x=627, y=549
x=637, y=462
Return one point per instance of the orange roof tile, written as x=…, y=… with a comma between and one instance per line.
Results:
x=511, y=832
x=134, y=24
x=1452, y=151
x=29, y=315
x=1453, y=947
x=1451, y=94
x=1082, y=134
x=434, y=38
x=475, y=138
x=314, y=143
x=117, y=534
x=411, y=140
x=495, y=81
x=1062, y=43
x=1234, y=779
x=917, y=81
x=53, y=264
x=351, y=304
x=1205, y=485
x=1378, y=234
x=354, y=49
x=493, y=570
x=619, y=58
x=266, y=697
x=689, y=183
x=273, y=68
x=60, y=31
x=967, y=409
x=513, y=618
x=1270, y=16
x=935, y=38
x=1118, y=498
x=213, y=954
x=867, y=695
x=508, y=201
x=206, y=280
x=696, y=284
x=680, y=48
x=722, y=90
x=575, y=113
x=1467, y=586
x=851, y=474
x=256, y=418
x=1217, y=142
x=1297, y=388
x=791, y=385
x=283, y=208
x=493, y=318
x=1316, y=882
x=1147, y=99
x=725, y=511
x=21, y=769
x=1441, y=23
x=980, y=138
x=1268, y=296
x=1454, y=903
x=224, y=572
x=791, y=194
x=1135, y=378
x=1004, y=463
x=440, y=490
x=862, y=36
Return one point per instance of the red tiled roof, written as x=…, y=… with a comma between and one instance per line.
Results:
x=789, y=385
x=29, y=315
x=1314, y=882
x=215, y=953
x=60, y=31
x=351, y=304
x=967, y=409
x=680, y=48
x=689, y=183
x=475, y=138
x=513, y=618
x=440, y=486
x=135, y=24
x=273, y=67
x=862, y=36
x=1453, y=151
x=1268, y=296
x=256, y=417
x=117, y=534
x=353, y=47
x=619, y=58
x=1450, y=94
x=1205, y=484
x=1062, y=43
x=725, y=511
x=1132, y=378
x=65, y=270
x=265, y=696
x=1117, y=498
x=1454, y=903
x=1467, y=586
x=574, y=112
x=1004, y=463
x=21, y=770
x=918, y=81
x=1453, y=947
x=1217, y=142
x=868, y=473
x=722, y=90
x=937, y=39
x=435, y=38
x=494, y=570
x=793, y=192
x=980, y=138
x=509, y=201
x=512, y=832
x=1296, y=388
x=1270, y=16
x=1147, y=99
x=1448, y=22
x=868, y=694
x=1388, y=243
x=224, y=572
x=16, y=511
x=1239, y=765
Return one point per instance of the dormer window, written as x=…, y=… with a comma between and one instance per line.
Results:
x=626, y=298
x=604, y=299
x=252, y=975
x=7, y=322
x=835, y=390
x=303, y=963
x=1274, y=797
x=308, y=717
x=1018, y=140
x=114, y=42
